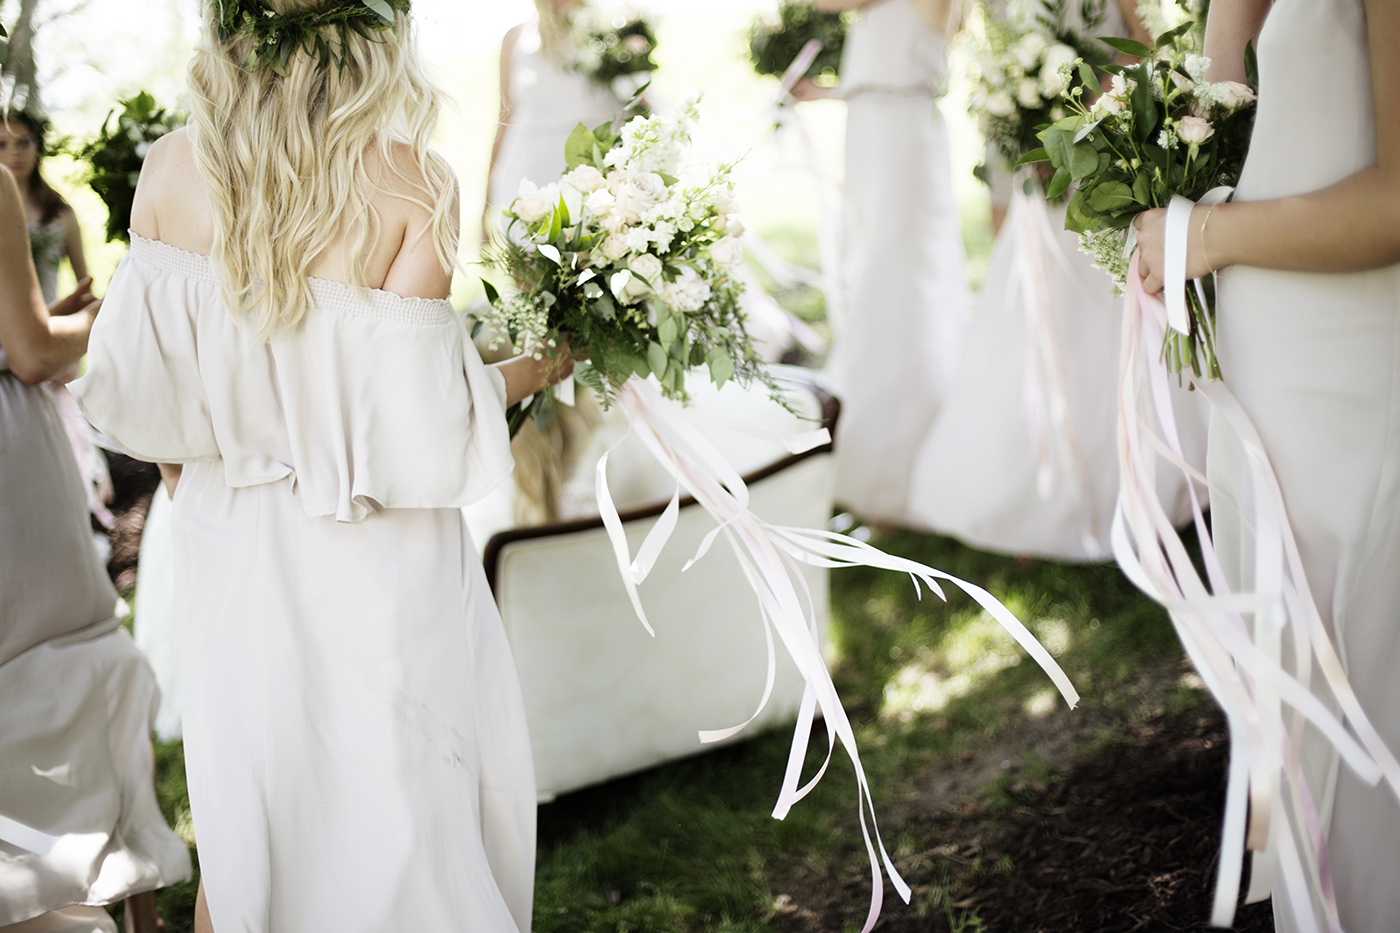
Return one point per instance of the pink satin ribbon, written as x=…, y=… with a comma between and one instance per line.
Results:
x=1235, y=639
x=770, y=557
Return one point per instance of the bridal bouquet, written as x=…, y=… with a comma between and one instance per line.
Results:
x=774, y=42
x=1159, y=130
x=631, y=256
x=1020, y=70
x=614, y=47
x=118, y=152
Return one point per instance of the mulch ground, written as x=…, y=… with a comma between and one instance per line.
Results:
x=1127, y=840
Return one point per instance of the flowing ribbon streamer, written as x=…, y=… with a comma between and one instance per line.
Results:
x=1235, y=640
x=26, y=837
x=770, y=557
x=1045, y=400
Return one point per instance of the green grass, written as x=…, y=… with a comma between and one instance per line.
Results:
x=691, y=846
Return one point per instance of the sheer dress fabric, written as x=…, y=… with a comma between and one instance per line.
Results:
x=79, y=699
x=1315, y=361
x=907, y=297
x=354, y=733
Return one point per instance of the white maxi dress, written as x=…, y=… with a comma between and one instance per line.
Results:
x=1315, y=361
x=355, y=739
x=907, y=295
x=76, y=698
x=547, y=101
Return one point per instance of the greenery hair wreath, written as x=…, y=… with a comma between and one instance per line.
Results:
x=277, y=36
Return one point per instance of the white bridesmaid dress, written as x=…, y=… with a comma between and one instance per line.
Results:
x=907, y=298
x=1315, y=361
x=78, y=698
x=547, y=102
x=355, y=739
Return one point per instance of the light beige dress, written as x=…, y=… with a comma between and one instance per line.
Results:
x=1315, y=361
x=355, y=739
x=77, y=699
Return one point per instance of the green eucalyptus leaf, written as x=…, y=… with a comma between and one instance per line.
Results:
x=1032, y=157
x=1251, y=66
x=1085, y=130
x=579, y=148
x=382, y=10
x=1077, y=220
x=492, y=295
x=1144, y=105
x=1091, y=80
x=1110, y=197
x=657, y=358
x=721, y=366
x=1142, y=190
x=668, y=330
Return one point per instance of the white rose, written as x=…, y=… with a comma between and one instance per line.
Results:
x=1105, y=106
x=1121, y=88
x=735, y=226
x=532, y=208
x=688, y=292
x=1182, y=82
x=1193, y=130
x=573, y=201
x=1028, y=50
x=1028, y=93
x=636, y=193
x=614, y=247
x=1234, y=95
x=626, y=287
x=648, y=267
x=600, y=202
x=727, y=252
x=1000, y=104
x=585, y=178
x=725, y=202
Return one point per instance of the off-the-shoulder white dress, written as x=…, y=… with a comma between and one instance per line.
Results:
x=354, y=733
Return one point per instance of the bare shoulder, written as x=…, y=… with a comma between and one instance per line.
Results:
x=406, y=202
x=171, y=203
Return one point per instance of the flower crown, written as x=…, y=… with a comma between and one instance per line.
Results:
x=277, y=36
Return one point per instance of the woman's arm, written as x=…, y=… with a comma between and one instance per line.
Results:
x=1351, y=226
x=507, y=53
x=1229, y=27
x=37, y=344
x=526, y=375
x=73, y=244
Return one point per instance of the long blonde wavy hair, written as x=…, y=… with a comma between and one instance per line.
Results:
x=553, y=17
x=283, y=158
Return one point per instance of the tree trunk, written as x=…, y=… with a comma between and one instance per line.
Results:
x=19, y=59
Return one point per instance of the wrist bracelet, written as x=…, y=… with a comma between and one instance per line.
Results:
x=1210, y=268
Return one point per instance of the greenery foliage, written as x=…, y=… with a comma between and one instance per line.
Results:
x=775, y=42
x=116, y=154
x=1159, y=131
x=612, y=48
x=277, y=36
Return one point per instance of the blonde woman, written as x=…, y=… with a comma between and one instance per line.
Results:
x=279, y=339
x=542, y=100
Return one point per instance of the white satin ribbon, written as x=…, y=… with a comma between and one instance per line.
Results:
x=1178, y=233
x=1235, y=640
x=26, y=837
x=770, y=558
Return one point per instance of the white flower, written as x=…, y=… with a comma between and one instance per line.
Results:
x=735, y=226
x=1194, y=130
x=600, y=202
x=1028, y=93
x=638, y=239
x=1105, y=106
x=614, y=247
x=533, y=202
x=688, y=292
x=626, y=287
x=724, y=200
x=1233, y=95
x=648, y=267
x=585, y=178
x=1052, y=74
x=573, y=201
x=636, y=193
x=662, y=233
x=1168, y=137
x=1182, y=82
x=1028, y=50
x=1196, y=66
x=1121, y=88
x=727, y=252
x=1000, y=104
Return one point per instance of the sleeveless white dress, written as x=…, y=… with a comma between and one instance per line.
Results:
x=547, y=102
x=907, y=296
x=78, y=698
x=1023, y=456
x=1315, y=361
x=355, y=739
